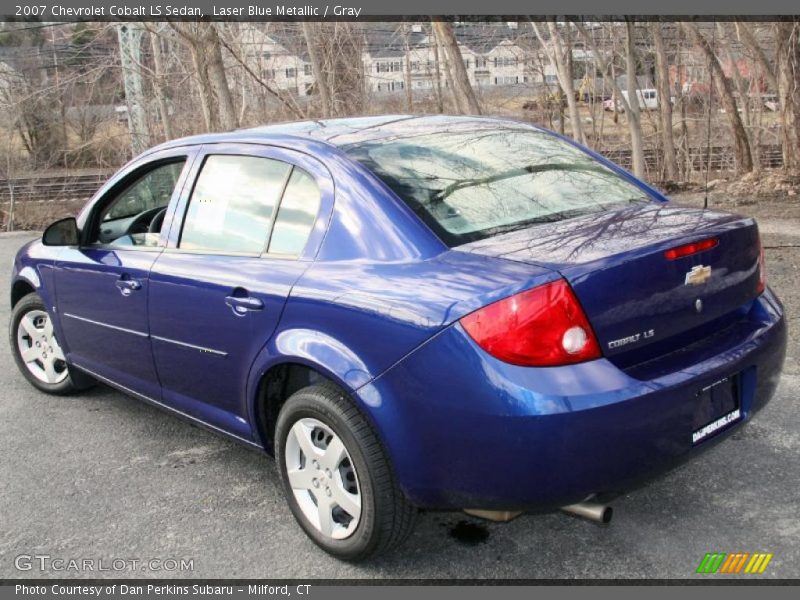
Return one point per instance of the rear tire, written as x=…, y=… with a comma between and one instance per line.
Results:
x=369, y=514
x=37, y=352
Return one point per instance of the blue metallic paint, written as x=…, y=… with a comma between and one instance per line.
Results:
x=373, y=304
x=615, y=264
x=124, y=318
x=496, y=435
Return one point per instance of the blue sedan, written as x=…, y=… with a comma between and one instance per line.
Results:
x=409, y=312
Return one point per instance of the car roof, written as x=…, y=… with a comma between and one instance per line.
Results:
x=349, y=131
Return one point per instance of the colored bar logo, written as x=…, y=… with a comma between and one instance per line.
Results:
x=738, y=562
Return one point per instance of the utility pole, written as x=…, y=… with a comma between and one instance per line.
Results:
x=59, y=94
x=130, y=44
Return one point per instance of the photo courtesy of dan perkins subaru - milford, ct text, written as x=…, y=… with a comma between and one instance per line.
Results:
x=150, y=589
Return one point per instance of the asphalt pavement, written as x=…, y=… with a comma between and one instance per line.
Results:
x=104, y=477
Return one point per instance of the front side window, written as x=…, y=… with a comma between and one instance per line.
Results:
x=232, y=204
x=134, y=216
x=472, y=184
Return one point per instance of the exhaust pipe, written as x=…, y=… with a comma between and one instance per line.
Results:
x=594, y=511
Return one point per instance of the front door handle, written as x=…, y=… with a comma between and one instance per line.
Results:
x=242, y=304
x=127, y=285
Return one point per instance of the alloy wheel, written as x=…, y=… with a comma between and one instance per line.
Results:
x=39, y=349
x=323, y=478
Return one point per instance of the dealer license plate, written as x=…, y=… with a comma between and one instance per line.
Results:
x=717, y=408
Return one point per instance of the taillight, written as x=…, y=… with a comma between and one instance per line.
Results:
x=762, y=270
x=689, y=249
x=541, y=327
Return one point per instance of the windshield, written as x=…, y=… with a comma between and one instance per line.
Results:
x=470, y=185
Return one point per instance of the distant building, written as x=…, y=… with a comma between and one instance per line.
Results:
x=280, y=56
x=494, y=55
x=689, y=75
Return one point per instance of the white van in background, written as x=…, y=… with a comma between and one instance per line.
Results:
x=648, y=100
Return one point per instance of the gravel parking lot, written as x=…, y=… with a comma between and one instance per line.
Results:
x=103, y=476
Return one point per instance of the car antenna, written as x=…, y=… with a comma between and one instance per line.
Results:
x=710, y=100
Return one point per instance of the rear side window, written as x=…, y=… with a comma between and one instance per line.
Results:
x=296, y=215
x=232, y=204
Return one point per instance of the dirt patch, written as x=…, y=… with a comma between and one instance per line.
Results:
x=764, y=184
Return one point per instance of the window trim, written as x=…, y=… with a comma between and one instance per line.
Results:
x=286, y=180
x=294, y=159
x=201, y=165
x=121, y=183
x=266, y=252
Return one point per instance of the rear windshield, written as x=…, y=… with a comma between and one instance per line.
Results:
x=470, y=185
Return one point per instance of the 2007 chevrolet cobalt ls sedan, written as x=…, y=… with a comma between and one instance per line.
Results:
x=436, y=312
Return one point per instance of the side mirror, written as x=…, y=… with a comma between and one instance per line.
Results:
x=61, y=233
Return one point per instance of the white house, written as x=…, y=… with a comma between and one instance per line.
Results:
x=278, y=55
x=492, y=55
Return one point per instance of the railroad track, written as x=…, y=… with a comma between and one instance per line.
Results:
x=52, y=188
x=721, y=159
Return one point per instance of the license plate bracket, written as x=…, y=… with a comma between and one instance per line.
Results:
x=716, y=408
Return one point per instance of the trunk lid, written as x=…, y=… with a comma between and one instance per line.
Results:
x=640, y=304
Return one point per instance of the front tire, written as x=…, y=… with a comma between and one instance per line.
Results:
x=37, y=352
x=336, y=477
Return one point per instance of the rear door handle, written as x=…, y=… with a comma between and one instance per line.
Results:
x=127, y=285
x=242, y=304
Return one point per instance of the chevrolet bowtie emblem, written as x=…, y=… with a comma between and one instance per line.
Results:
x=698, y=275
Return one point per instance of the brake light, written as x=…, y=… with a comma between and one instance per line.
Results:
x=541, y=327
x=762, y=270
x=689, y=249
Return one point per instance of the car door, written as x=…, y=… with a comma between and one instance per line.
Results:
x=101, y=286
x=242, y=236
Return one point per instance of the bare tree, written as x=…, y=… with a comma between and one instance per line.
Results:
x=6, y=171
x=465, y=98
x=741, y=89
x=633, y=113
x=160, y=85
x=665, y=104
x=560, y=58
x=203, y=41
x=437, y=73
x=771, y=69
x=407, y=71
x=448, y=76
x=742, y=155
x=634, y=125
x=28, y=97
x=336, y=50
x=321, y=83
x=793, y=58
x=285, y=99
x=788, y=48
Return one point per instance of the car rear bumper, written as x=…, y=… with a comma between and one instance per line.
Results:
x=464, y=430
